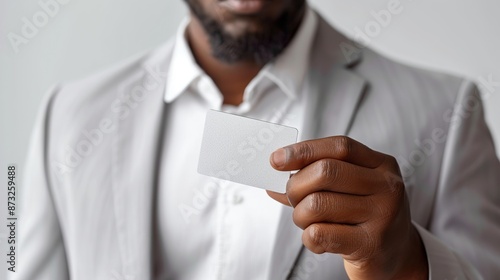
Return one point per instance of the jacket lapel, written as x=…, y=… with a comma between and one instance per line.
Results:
x=333, y=93
x=136, y=147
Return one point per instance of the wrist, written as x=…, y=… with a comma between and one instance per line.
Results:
x=415, y=265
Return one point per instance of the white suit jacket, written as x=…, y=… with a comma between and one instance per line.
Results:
x=88, y=207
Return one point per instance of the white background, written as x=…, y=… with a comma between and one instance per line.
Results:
x=457, y=36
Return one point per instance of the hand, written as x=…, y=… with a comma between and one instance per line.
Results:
x=351, y=200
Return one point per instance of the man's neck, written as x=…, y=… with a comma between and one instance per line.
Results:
x=231, y=79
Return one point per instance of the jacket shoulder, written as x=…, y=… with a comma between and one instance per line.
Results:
x=105, y=85
x=399, y=78
x=382, y=73
x=88, y=103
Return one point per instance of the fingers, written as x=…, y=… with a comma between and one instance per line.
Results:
x=343, y=148
x=334, y=238
x=329, y=207
x=338, y=228
x=335, y=176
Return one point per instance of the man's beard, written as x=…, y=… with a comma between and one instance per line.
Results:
x=259, y=47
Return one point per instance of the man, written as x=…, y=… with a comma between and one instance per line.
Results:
x=112, y=190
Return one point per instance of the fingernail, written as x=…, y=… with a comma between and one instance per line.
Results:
x=279, y=157
x=289, y=202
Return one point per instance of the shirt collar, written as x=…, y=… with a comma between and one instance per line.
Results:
x=287, y=71
x=183, y=67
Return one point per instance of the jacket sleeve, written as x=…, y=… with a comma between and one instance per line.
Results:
x=462, y=238
x=41, y=253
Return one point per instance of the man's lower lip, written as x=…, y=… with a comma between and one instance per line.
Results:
x=244, y=6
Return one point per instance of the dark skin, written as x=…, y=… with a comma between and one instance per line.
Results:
x=231, y=79
x=349, y=200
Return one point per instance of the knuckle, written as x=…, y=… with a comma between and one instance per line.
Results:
x=317, y=237
x=392, y=163
x=326, y=168
x=329, y=172
x=304, y=151
x=393, y=181
x=317, y=205
x=343, y=147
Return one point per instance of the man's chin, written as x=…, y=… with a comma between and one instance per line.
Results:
x=237, y=34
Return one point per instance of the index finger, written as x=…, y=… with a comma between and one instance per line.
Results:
x=343, y=148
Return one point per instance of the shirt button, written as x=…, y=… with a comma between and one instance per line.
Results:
x=237, y=199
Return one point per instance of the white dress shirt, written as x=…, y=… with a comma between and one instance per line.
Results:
x=209, y=228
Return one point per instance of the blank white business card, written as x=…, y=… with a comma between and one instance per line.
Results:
x=238, y=149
